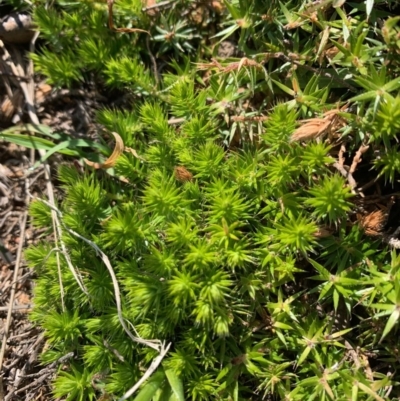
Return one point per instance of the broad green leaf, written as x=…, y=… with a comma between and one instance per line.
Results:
x=281, y=337
x=335, y=299
x=343, y=49
x=368, y=84
x=176, y=385
x=394, y=317
x=338, y=3
x=303, y=356
x=325, y=290
x=321, y=269
x=341, y=333
x=37, y=129
x=354, y=393
x=387, y=307
x=150, y=388
x=369, y=391
x=223, y=372
x=232, y=9
x=34, y=142
x=284, y=88
x=358, y=48
x=283, y=326
x=364, y=97
x=310, y=381
x=392, y=85
x=227, y=32
x=236, y=392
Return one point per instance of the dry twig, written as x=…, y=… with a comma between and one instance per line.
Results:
x=14, y=285
x=341, y=159
x=357, y=158
x=350, y=179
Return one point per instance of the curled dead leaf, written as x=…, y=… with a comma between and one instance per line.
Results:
x=110, y=162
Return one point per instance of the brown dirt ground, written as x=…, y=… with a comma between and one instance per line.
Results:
x=70, y=111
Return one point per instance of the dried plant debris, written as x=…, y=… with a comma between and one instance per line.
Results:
x=374, y=222
x=313, y=128
x=182, y=174
x=112, y=159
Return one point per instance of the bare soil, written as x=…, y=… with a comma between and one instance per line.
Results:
x=22, y=377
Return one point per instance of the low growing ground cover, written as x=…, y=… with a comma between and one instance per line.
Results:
x=247, y=220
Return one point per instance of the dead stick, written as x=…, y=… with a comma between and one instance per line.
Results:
x=13, y=288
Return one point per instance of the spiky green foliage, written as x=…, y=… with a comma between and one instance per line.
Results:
x=231, y=237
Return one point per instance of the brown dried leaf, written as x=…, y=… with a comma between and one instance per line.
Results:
x=110, y=162
x=310, y=130
x=314, y=127
x=373, y=223
x=182, y=174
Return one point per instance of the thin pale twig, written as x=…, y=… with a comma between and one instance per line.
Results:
x=350, y=179
x=148, y=373
x=16, y=308
x=14, y=286
x=357, y=158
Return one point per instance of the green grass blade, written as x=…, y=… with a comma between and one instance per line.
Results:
x=176, y=385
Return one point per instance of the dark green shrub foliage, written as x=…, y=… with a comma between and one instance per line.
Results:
x=234, y=235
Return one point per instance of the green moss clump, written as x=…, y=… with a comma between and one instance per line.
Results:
x=234, y=233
